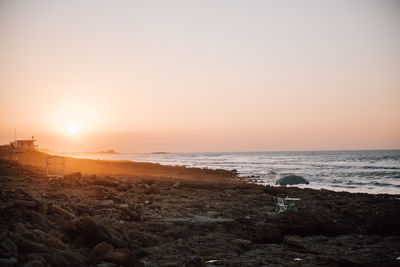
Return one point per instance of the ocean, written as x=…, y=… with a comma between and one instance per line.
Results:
x=375, y=171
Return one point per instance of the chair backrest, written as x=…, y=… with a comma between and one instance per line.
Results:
x=280, y=201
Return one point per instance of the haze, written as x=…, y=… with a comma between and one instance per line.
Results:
x=142, y=76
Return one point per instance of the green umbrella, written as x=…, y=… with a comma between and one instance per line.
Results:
x=292, y=179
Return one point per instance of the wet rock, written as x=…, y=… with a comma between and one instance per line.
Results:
x=8, y=245
x=55, y=243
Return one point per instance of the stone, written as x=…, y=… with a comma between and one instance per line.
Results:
x=35, y=263
x=105, y=203
x=4, y=262
x=100, y=250
x=95, y=232
x=195, y=261
x=105, y=181
x=23, y=231
x=55, y=243
x=121, y=256
x=107, y=264
x=73, y=176
x=55, y=233
x=26, y=245
x=122, y=187
x=152, y=190
x=242, y=242
x=8, y=245
x=142, y=239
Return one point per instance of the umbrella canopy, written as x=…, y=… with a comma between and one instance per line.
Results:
x=292, y=179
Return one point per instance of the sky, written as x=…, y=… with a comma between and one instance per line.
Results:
x=201, y=76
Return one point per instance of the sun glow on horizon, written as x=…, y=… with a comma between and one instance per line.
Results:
x=73, y=128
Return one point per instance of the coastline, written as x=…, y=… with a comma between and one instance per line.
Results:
x=148, y=214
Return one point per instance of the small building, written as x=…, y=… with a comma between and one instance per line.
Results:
x=28, y=144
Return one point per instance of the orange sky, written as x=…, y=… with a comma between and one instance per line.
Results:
x=142, y=76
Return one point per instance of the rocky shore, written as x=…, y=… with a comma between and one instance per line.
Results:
x=174, y=219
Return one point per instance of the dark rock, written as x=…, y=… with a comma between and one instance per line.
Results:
x=21, y=230
x=105, y=181
x=26, y=245
x=121, y=256
x=8, y=262
x=73, y=176
x=154, y=189
x=35, y=263
x=55, y=243
x=242, y=242
x=142, y=239
x=100, y=250
x=8, y=245
x=195, y=261
x=122, y=187
x=94, y=232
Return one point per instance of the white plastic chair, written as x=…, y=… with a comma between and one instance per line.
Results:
x=280, y=203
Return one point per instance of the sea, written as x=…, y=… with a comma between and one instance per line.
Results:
x=374, y=171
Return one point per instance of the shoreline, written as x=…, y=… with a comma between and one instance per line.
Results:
x=191, y=217
x=335, y=181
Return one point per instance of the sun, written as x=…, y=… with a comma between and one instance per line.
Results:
x=73, y=128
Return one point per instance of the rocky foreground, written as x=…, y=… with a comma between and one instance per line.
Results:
x=89, y=220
